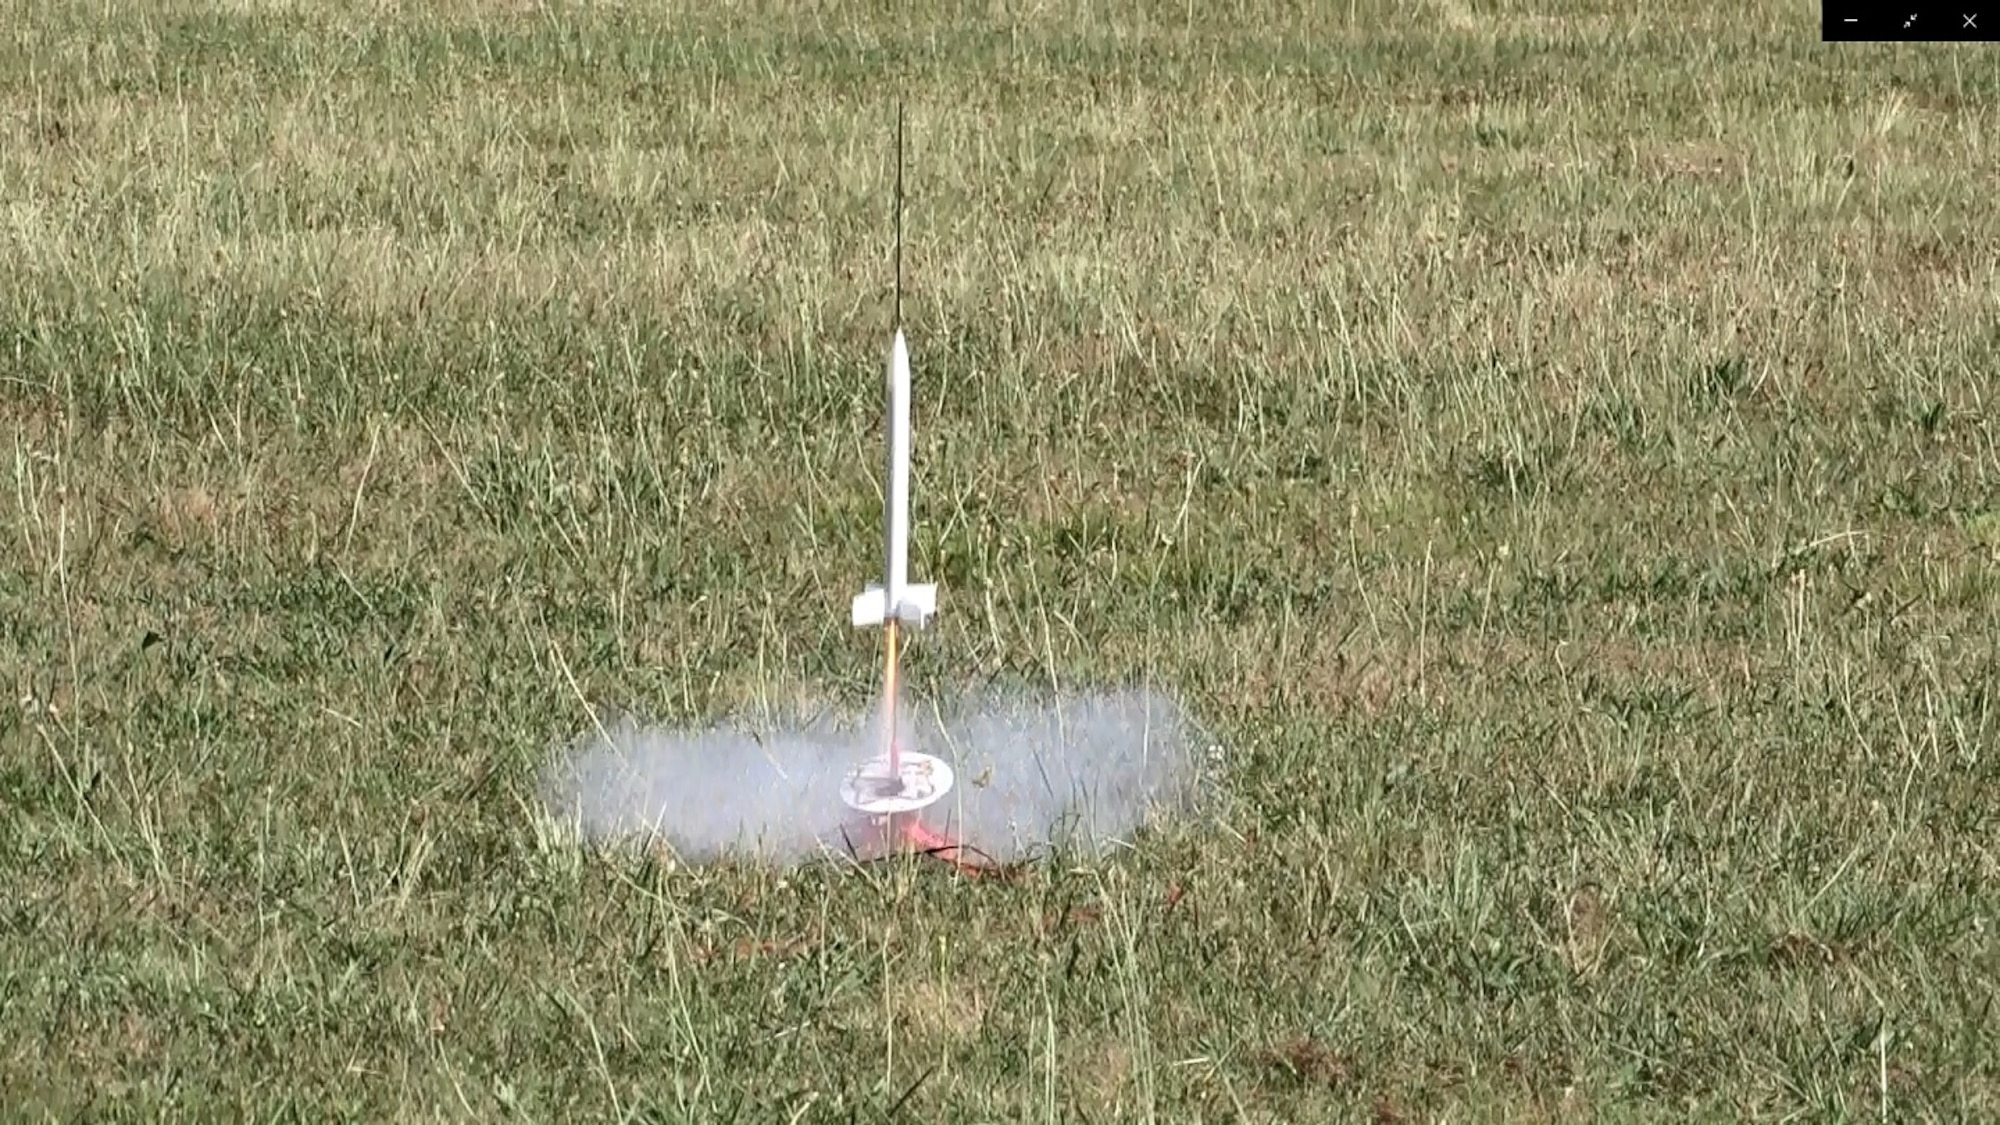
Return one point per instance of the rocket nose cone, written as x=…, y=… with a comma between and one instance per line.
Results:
x=899, y=362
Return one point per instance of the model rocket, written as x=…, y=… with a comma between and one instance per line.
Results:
x=895, y=600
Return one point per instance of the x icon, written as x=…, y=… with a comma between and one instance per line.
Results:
x=1972, y=20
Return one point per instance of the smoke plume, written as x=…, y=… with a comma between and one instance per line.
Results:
x=1082, y=773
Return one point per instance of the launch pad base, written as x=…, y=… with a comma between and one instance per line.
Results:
x=889, y=801
x=873, y=788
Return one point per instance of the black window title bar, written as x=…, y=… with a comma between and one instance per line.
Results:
x=1910, y=21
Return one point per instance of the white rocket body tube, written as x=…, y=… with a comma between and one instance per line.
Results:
x=895, y=597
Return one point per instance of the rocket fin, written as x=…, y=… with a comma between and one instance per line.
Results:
x=917, y=606
x=871, y=606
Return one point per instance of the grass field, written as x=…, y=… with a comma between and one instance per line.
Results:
x=1548, y=441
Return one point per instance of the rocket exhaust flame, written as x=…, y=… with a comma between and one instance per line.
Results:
x=892, y=751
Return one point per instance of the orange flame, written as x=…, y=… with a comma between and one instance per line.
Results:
x=889, y=673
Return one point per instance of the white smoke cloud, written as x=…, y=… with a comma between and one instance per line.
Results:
x=1082, y=773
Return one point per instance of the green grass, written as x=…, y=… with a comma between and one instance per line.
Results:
x=1549, y=442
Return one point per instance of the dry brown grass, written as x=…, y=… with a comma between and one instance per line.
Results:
x=1548, y=440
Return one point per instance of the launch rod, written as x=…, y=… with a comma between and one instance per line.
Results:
x=899, y=214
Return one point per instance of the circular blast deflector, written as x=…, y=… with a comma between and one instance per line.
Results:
x=873, y=789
